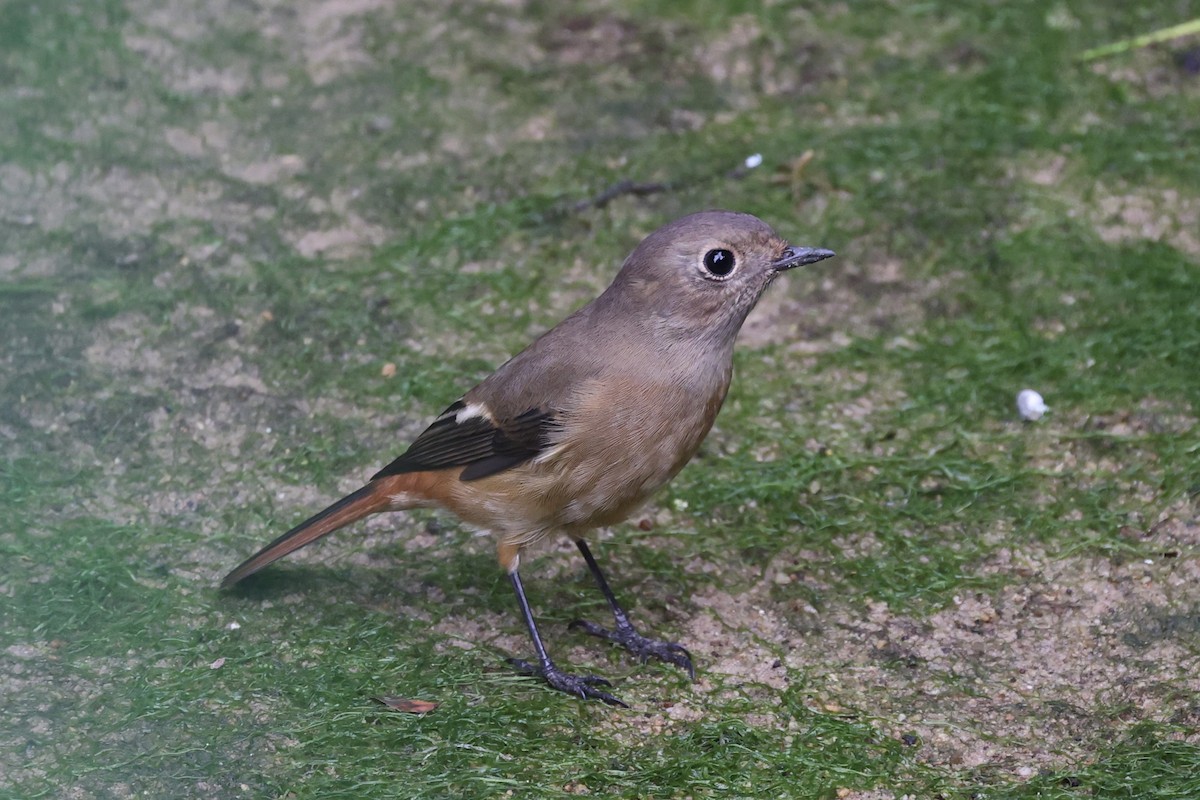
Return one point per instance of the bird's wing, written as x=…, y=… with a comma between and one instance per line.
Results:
x=467, y=435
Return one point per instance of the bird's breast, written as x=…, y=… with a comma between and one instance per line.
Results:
x=623, y=440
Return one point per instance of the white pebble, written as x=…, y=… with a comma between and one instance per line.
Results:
x=754, y=161
x=1030, y=405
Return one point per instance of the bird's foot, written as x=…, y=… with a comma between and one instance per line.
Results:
x=583, y=686
x=641, y=646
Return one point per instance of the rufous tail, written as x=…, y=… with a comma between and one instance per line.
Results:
x=373, y=498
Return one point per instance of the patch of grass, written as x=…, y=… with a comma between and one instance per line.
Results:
x=1150, y=761
x=177, y=374
x=144, y=654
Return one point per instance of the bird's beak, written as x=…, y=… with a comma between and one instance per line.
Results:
x=799, y=256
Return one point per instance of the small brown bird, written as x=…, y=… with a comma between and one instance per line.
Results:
x=581, y=427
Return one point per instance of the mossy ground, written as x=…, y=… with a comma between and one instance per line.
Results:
x=221, y=222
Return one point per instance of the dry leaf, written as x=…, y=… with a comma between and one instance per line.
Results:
x=407, y=705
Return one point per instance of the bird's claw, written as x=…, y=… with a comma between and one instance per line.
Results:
x=583, y=686
x=641, y=646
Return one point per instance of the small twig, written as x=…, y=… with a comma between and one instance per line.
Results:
x=1160, y=35
x=636, y=189
x=618, y=189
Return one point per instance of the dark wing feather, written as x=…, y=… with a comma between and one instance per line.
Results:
x=482, y=446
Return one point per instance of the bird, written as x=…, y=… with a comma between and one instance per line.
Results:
x=582, y=427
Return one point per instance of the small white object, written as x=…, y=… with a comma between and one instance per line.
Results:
x=233, y=626
x=754, y=161
x=1030, y=405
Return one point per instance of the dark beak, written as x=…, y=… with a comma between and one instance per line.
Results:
x=799, y=256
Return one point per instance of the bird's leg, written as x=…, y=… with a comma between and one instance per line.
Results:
x=624, y=633
x=583, y=686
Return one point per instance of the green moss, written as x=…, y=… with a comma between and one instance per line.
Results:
x=175, y=372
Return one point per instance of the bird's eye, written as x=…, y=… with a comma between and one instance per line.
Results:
x=719, y=262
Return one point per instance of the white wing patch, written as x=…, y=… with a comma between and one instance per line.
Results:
x=473, y=410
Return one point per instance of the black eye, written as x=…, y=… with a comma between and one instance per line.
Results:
x=719, y=262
